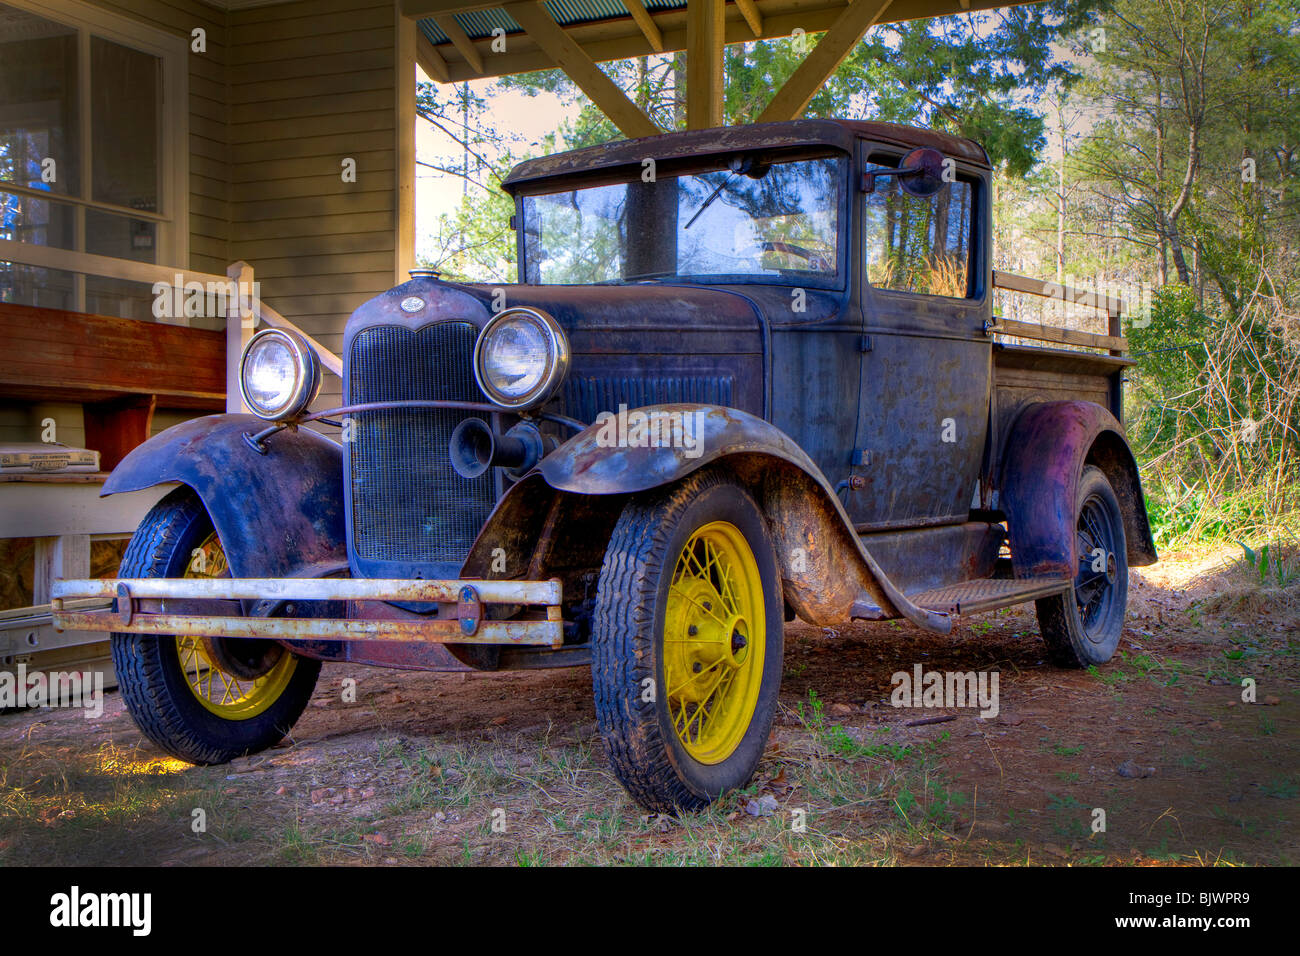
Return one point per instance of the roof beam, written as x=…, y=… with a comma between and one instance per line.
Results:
x=755, y=19
x=431, y=60
x=460, y=40
x=794, y=96
x=705, y=35
x=646, y=23
x=569, y=57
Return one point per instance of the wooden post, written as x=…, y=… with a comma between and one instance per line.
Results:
x=65, y=557
x=1115, y=325
x=404, y=185
x=240, y=322
x=705, y=33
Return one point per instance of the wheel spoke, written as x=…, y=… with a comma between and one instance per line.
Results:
x=676, y=691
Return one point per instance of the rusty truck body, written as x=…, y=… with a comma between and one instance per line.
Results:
x=749, y=375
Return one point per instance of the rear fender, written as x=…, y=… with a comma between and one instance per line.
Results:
x=275, y=512
x=1047, y=449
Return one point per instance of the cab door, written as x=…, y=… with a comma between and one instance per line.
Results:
x=926, y=357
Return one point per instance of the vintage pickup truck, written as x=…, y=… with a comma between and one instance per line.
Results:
x=750, y=375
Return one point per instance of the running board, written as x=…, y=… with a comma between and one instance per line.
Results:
x=987, y=594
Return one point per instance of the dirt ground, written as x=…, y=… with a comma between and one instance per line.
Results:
x=508, y=768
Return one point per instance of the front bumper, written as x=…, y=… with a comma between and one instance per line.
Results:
x=211, y=607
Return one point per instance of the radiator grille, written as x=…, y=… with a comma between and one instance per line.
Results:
x=408, y=505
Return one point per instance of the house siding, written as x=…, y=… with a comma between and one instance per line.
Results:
x=281, y=96
x=313, y=83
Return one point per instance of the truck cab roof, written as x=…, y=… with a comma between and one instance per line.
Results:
x=692, y=145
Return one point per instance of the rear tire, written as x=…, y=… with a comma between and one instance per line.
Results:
x=687, y=643
x=180, y=698
x=1082, y=627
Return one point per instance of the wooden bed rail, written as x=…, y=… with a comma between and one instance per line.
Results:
x=1114, y=307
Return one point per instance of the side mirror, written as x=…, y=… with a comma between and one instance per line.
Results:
x=920, y=174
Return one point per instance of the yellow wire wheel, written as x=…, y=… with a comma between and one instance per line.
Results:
x=202, y=699
x=214, y=682
x=686, y=642
x=714, y=640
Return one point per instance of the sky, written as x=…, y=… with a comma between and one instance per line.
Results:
x=530, y=117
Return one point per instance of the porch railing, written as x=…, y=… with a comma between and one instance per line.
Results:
x=244, y=310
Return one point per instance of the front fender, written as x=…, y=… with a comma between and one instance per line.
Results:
x=1047, y=449
x=602, y=459
x=826, y=568
x=275, y=513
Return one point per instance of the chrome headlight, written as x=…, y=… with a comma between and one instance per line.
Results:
x=279, y=374
x=521, y=358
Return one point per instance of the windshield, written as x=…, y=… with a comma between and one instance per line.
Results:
x=779, y=220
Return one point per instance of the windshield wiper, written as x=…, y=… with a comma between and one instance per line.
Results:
x=708, y=202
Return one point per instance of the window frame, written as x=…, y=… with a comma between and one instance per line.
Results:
x=172, y=216
x=881, y=154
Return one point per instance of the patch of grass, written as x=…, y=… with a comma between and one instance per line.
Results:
x=1283, y=788
x=1275, y=565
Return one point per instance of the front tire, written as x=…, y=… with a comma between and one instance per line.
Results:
x=1082, y=627
x=687, y=643
x=205, y=700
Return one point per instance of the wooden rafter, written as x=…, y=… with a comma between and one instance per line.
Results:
x=664, y=30
x=460, y=40
x=431, y=60
x=568, y=56
x=749, y=11
x=793, y=97
x=646, y=23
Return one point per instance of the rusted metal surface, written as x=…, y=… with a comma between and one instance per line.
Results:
x=922, y=559
x=274, y=512
x=971, y=597
x=550, y=633
x=695, y=144
x=587, y=465
x=313, y=589
x=180, y=606
x=825, y=565
x=1046, y=452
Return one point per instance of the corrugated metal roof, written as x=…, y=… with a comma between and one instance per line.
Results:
x=479, y=24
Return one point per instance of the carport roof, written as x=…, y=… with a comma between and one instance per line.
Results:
x=455, y=42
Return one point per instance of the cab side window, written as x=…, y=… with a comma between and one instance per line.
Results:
x=918, y=244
